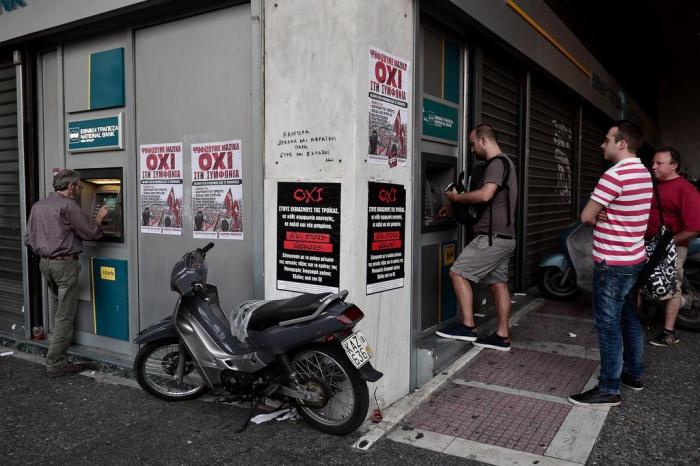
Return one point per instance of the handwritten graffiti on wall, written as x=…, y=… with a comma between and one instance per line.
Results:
x=563, y=138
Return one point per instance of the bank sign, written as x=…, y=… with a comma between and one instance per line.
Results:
x=96, y=134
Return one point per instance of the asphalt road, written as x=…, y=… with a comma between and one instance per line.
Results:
x=77, y=420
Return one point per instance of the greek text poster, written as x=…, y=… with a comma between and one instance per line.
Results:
x=161, y=188
x=386, y=234
x=217, y=190
x=389, y=94
x=308, y=237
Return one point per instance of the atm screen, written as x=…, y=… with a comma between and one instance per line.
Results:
x=106, y=198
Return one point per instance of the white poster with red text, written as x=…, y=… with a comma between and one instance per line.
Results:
x=389, y=95
x=217, y=190
x=160, y=202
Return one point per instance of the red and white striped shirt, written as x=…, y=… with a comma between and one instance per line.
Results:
x=625, y=190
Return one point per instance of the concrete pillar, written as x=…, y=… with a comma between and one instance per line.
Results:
x=316, y=81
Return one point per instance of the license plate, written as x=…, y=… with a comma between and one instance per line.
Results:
x=357, y=349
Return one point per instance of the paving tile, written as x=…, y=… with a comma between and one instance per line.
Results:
x=541, y=328
x=533, y=371
x=494, y=418
x=578, y=309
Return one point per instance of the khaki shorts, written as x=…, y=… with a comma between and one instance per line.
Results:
x=481, y=262
x=680, y=260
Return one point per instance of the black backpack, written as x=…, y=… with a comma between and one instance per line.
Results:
x=469, y=214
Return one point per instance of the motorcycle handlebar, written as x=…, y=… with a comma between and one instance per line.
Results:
x=206, y=248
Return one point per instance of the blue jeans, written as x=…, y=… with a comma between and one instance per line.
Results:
x=620, y=335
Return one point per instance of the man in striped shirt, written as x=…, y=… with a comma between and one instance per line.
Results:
x=624, y=194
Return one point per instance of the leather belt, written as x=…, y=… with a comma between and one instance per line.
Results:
x=73, y=257
x=497, y=235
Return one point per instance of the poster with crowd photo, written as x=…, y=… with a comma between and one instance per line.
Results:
x=389, y=94
x=161, y=188
x=217, y=190
x=386, y=234
x=308, y=237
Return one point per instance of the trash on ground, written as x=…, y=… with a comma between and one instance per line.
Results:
x=572, y=335
x=519, y=294
x=285, y=413
x=7, y=353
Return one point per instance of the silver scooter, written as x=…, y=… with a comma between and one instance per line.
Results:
x=303, y=350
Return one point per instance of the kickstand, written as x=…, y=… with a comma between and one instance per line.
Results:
x=254, y=405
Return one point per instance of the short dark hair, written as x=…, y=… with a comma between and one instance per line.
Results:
x=64, y=178
x=485, y=130
x=632, y=134
x=675, y=155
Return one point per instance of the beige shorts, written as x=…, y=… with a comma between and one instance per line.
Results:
x=680, y=260
x=481, y=262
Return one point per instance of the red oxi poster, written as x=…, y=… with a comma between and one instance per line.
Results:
x=386, y=236
x=389, y=95
x=308, y=237
x=161, y=188
x=217, y=190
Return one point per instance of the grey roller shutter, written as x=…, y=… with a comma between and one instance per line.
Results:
x=499, y=105
x=550, y=172
x=11, y=297
x=500, y=102
x=594, y=127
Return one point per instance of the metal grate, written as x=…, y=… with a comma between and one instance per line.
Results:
x=550, y=172
x=593, y=130
x=11, y=317
x=500, y=103
x=500, y=107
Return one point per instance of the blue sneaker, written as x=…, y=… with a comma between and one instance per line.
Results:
x=458, y=332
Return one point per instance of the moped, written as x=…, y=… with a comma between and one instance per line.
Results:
x=302, y=350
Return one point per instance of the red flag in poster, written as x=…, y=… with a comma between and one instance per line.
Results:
x=228, y=202
x=171, y=199
x=400, y=133
x=174, y=205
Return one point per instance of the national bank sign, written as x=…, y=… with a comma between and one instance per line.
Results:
x=10, y=5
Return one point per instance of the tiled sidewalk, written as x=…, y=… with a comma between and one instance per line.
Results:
x=511, y=407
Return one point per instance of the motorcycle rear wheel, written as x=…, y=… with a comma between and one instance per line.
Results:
x=689, y=317
x=155, y=366
x=548, y=282
x=348, y=397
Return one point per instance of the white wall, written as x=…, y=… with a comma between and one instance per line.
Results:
x=316, y=79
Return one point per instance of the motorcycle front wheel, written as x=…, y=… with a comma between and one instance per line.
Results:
x=346, y=399
x=549, y=283
x=155, y=368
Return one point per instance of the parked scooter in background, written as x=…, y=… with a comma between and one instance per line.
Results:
x=556, y=277
x=563, y=274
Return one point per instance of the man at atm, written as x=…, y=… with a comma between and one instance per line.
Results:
x=56, y=229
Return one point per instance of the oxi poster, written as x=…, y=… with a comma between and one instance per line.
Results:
x=386, y=237
x=161, y=188
x=308, y=237
x=389, y=95
x=217, y=190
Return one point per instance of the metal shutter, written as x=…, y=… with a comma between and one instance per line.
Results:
x=593, y=131
x=499, y=106
x=550, y=166
x=500, y=103
x=11, y=298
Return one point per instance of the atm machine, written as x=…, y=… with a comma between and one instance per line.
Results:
x=103, y=186
x=103, y=309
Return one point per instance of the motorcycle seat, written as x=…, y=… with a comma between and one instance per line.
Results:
x=280, y=310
